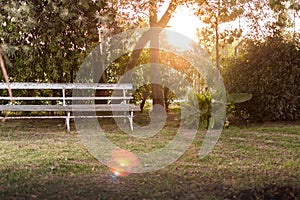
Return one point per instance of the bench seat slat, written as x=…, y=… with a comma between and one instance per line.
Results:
x=66, y=98
x=70, y=108
x=60, y=117
x=76, y=86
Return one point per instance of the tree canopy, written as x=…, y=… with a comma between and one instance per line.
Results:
x=47, y=40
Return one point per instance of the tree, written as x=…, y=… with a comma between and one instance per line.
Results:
x=48, y=40
x=151, y=35
x=214, y=13
x=157, y=92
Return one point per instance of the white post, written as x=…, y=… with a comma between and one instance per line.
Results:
x=64, y=96
x=131, y=120
x=124, y=95
x=68, y=121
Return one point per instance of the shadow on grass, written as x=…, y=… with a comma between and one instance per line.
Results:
x=160, y=185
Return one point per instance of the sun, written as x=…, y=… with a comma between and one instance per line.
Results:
x=185, y=23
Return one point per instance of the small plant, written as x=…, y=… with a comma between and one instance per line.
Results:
x=235, y=98
x=197, y=110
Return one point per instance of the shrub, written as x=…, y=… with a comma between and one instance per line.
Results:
x=270, y=71
x=197, y=110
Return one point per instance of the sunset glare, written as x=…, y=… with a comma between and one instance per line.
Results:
x=185, y=22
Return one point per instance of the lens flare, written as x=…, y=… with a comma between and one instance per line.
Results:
x=122, y=161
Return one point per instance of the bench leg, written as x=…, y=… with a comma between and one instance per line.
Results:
x=68, y=121
x=130, y=117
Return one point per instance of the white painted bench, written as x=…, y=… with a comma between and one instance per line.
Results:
x=119, y=102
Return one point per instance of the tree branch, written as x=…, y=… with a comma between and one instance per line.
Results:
x=144, y=39
x=162, y=23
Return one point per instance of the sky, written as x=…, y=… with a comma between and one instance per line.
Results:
x=185, y=22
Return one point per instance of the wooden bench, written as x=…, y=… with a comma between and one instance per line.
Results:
x=66, y=102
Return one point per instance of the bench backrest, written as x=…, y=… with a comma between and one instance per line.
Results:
x=121, y=94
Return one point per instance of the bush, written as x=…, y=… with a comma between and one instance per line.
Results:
x=196, y=110
x=270, y=71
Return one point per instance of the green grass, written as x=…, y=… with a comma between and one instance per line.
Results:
x=39, y=160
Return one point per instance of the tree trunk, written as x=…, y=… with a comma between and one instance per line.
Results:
x=155, y=74
x=217, y=38
x=166, y=96
x=146, y=94
x=99, y=76
x=5, y=76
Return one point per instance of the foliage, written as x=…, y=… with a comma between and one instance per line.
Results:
x=255, y=19
x=47, y=41
x=213, y=14
x=235, y=98
x=175, y=72
x=173, y=83
x=270, y=71
x=197, y=110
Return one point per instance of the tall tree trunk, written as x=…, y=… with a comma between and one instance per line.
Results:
x=4, y=73
x=99, y=75
x=166, y=96
x=146, y=94
x=217, y=38
x=6, y=78
x=155, y=73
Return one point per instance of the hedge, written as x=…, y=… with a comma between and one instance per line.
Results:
x=270, y=71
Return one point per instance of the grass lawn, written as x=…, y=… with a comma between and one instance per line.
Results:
x=39, y=160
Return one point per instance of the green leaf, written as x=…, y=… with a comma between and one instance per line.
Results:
x=239, y=97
